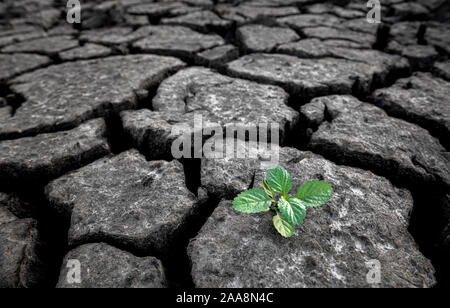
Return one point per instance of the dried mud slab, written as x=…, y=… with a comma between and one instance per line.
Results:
x=357, y=133
x=421, y=99
x=240, y=162
x=21, y=265
x=218, y=56
x=259, y=38
x=442, y=69
x=315, y=77
x=88, y=51
x=46, y=156
x=244, y=13
x=103, y=266
x=177, y=41
x=49, y=45
x=13, y=65
x=126, y=201
x=65, y=95
x=219, y=101
x=201, y=21
x=367, y=218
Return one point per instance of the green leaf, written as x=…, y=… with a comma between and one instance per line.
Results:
x=252, y=201
x=292, y=209
x=314, y=193
x=267, y=189
x=284, y=227
x=279, y=180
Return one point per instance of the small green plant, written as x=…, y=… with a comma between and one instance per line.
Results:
x=290, y=210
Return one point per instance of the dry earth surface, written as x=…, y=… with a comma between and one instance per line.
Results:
x=89, y=112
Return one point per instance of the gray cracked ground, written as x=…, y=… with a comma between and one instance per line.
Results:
x=421, y=99
x=114, y=36
x=406, y=39
x=357, y=133
x=442, y=69
x=125, y=200
x=226, y=101
x=259, y=38
x=104, y=266
x=218, y=56
x=82, y=106
x=177, y=41
x=325, y=26
x=436, y=35
x=155, y=10
x=222, y=102
x=13, y=65
x=48, y=46
x=52, y=95
x=16, y=206
x=169, y=40
x=200, y=20
x=46, y=156
x=19, y=34
x=247, y=13
x=226, y=178
x=20, y=265
x=381, y=66
x=352, y=11
x=328, y=250
x=312, y=77
x=420, y=57
x=85, y=52
x=153, y=133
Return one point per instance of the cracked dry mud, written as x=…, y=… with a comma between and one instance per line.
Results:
x=89, y=114
x=107, y=267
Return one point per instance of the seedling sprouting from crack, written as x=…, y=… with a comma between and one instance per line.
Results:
x=290, y=210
